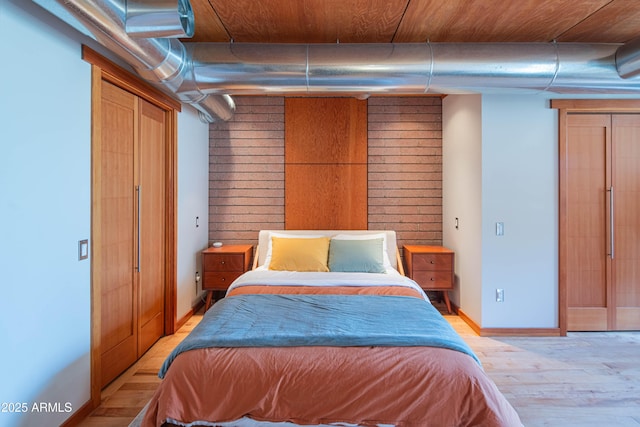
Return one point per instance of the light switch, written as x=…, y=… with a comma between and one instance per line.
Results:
x=83, y=249
x=499, y=228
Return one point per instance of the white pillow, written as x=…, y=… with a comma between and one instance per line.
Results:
x=267, y=258
x=385, y=252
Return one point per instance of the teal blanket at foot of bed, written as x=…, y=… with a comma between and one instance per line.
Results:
x=321, y=320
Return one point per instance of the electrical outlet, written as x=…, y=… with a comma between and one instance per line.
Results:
x=499, y=295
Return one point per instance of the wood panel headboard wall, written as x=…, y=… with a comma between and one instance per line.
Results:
x=404, y=169
x=325, y=164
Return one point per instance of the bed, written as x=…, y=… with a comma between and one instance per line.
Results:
x=325, y=330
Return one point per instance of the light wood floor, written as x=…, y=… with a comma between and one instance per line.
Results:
x=582, y=380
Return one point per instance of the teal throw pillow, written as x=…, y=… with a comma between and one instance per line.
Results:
x=356, y=256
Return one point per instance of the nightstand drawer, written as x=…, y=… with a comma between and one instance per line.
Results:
x=434, y=280
x=432, y=262
x=222, y=265
x=432, y=267
x=220, y=279
x=223, y=262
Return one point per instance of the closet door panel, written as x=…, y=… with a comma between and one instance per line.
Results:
x=586, y=234
x=626, y=184
x=152, y=150
x=118, y=281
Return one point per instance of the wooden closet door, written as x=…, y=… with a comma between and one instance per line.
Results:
x=587, y=265
x=133, y=207
x=152, y=149
x=603, y=222
x=119, y=308
x=626, y=195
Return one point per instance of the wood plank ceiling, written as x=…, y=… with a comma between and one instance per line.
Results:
x=405, y=21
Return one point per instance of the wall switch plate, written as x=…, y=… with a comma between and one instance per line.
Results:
x=499, y=295
x=499, y=228
x=83, y=249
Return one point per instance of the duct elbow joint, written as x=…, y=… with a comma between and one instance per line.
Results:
x=159, y=18
x=211, y=107
x=627, y=59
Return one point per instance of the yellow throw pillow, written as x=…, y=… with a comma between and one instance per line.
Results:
x=304, y=254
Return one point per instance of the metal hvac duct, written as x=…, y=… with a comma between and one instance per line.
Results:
x=205, y=74
x=159, y=18
x=161, y=61
x=408, y=68
x=628, y=59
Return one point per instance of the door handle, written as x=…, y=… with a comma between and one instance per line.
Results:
x=139, y=196
x=612, y=240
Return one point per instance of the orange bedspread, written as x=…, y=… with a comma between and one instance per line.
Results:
x=330, y=290
x=401, y=386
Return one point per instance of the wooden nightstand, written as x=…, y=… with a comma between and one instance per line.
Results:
x=431, y=267
x=223, y=265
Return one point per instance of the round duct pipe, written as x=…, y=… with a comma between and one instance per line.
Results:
x=406, y=69
x=161, y=61
x=205, y=74
x=159, y=18
x=628, y=59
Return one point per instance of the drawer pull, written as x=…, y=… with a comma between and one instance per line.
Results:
x=432, y=262
x=221, y=262
x=432, y=279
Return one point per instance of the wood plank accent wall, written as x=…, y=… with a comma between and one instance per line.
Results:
x=404, y=169
x=246, y=171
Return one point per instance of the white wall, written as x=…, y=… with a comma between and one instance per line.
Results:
x=500, y=162
x=462, y=197
x=45, y=208
x=519, y=182
x=193, y=201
